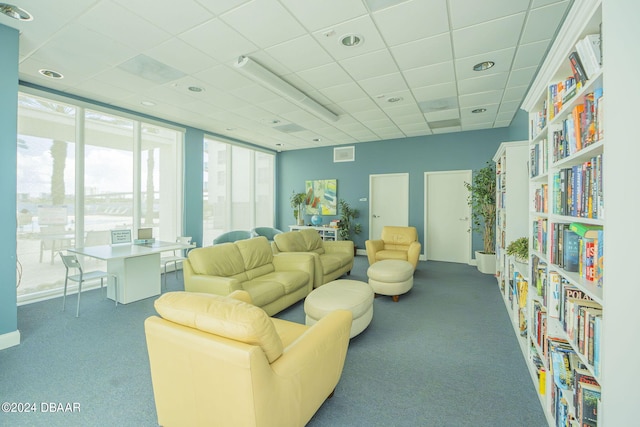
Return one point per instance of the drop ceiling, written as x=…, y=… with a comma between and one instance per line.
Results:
x=144, y=55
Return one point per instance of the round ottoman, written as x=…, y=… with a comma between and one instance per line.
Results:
x=351, y=295
x=391, y=277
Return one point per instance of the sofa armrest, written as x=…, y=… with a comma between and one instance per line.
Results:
x=317, y=357
x=372, y=247
x=413, y=254
x=338, y=246
x=296, y=261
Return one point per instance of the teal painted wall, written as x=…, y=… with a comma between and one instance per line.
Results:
x=193, y=162
x=8, y=173
x=415, y=156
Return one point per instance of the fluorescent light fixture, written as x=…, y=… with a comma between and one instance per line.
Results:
x=262, y=75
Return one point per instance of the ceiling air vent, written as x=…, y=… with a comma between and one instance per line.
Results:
x=344, y=154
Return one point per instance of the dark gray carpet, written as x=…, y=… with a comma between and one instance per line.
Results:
x=444, y=355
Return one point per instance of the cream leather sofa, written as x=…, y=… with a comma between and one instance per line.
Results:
x=395, y=243
x=219, y=361
x=332, y=259
x=274, y=282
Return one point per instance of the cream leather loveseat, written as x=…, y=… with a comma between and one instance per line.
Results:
x=220, y=361
x=274, y=282
x=332, y=259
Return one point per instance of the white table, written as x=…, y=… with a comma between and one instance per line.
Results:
x=136, y=266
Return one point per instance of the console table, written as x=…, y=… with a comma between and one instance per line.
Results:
x=326, y=233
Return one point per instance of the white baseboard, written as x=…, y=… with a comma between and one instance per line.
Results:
x=10, y=339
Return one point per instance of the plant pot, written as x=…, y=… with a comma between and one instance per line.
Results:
x=486, y=262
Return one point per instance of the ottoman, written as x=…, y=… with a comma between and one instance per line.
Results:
x=351, y=295
x=391, y=277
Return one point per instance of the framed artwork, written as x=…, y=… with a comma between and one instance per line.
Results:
x=321, y=197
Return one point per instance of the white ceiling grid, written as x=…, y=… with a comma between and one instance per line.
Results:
x=421, y=52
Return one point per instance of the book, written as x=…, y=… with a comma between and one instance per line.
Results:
x=589, y=396
x=570, y=250
x=585, y=230
x=577, y=68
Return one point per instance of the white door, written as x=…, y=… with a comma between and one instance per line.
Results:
x=448, y=216
x=388, y=202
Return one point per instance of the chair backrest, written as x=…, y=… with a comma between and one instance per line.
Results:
x=395, y=237
x=70, y=261
x=267, y=232
x=232, y=236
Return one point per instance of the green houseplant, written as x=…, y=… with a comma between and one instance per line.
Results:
x=482, y=199
x=297, y=203
x=519, y=248
x=346, y=226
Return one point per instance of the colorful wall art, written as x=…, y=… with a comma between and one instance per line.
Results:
x=321, y=197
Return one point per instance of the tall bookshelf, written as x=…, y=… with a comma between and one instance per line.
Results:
x=511, y=202
x=564, y=296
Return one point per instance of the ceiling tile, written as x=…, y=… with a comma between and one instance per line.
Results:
x=489, y=36
x=465, y=13
x=412, y=20
x=370, y=64
x=388, y=85
x=542, y=23
x=431, y=75
x=167, y=15
x=439, y=91
x=220, y=6
x=181, y=56
x=480, y=99
x=428, y=51
x=325, y=76
x=324, y=14
x=481, y=84
x=288, y=54
x=531, y=54
x=275, y=24
x=113, y=20
x=234, y=45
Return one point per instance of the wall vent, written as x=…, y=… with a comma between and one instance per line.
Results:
x=344, y=154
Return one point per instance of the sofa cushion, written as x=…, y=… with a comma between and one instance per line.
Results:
x=312, y=241
x=263, y=291
x=223, y=316
x=255, y=252
x=218, y=260
x=291, y=241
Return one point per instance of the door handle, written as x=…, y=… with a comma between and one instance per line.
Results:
x=466, y=218
x=376, y=216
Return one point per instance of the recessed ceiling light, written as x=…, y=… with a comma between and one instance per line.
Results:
x=15, y=12
x=479, y=110
x=482, y=66
x=393, y=99
x=351, y=40
x=51, y=74
x=148, y=103
x=196, y=89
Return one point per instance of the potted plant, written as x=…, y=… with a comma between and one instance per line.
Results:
x=346, y=226
x=519, y=249
x=297, y=203
x=482, y=199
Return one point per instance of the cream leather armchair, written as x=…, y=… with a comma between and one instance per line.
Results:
x=395, y=243
x=221, y=361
